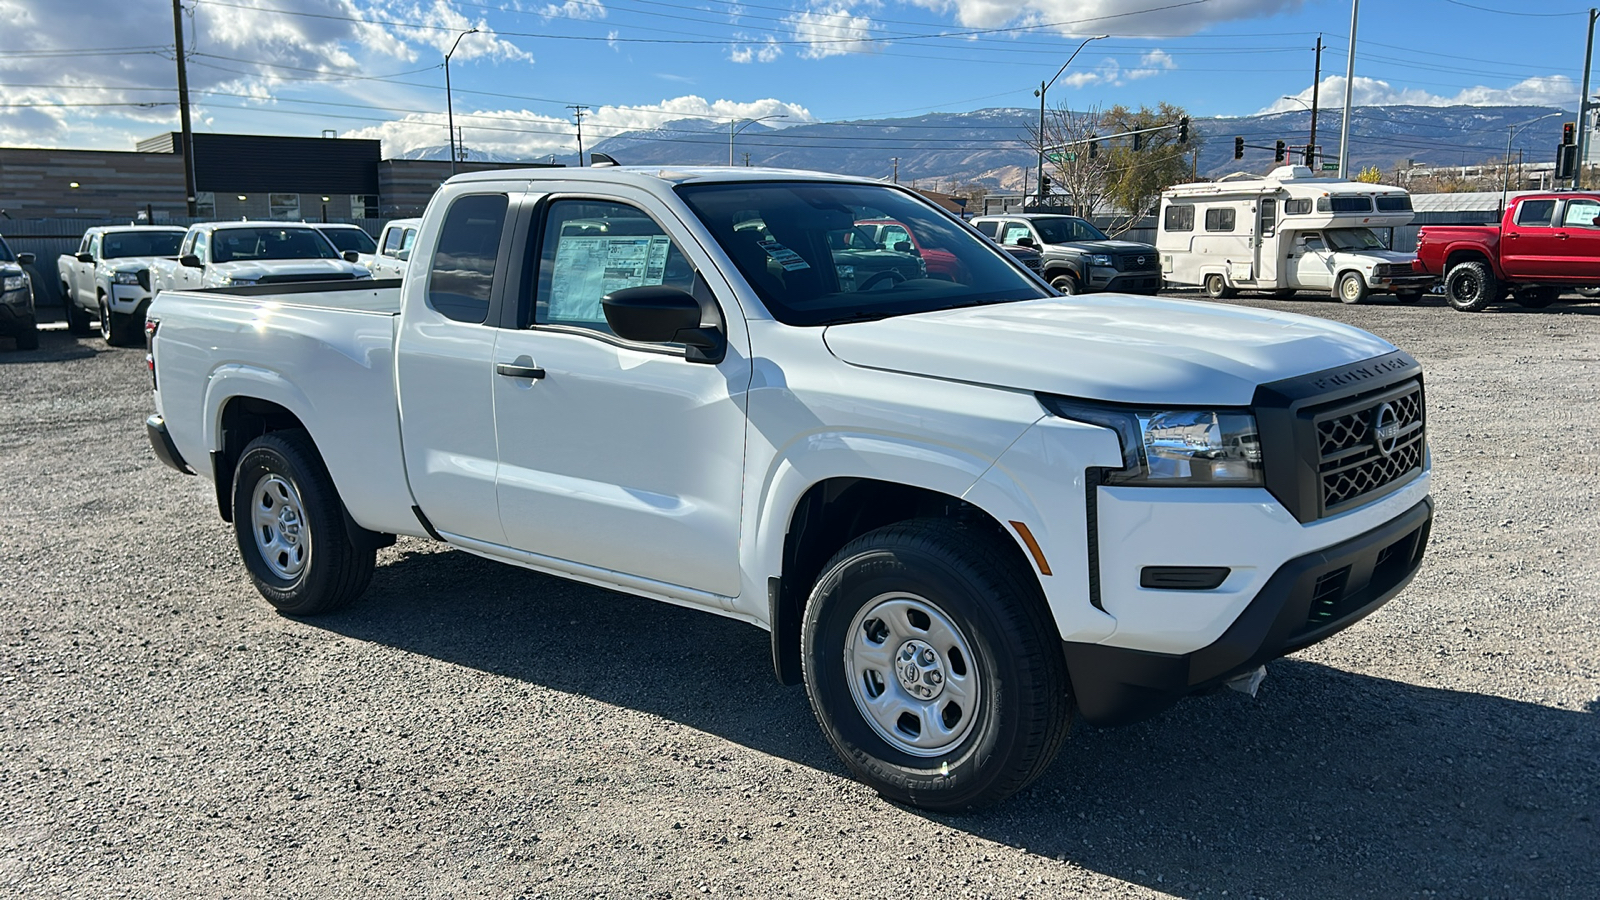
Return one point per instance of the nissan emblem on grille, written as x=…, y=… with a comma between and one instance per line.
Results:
x=1385, y=428
x=1139, y=261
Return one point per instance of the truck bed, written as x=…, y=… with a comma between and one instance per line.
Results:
x=324, y=350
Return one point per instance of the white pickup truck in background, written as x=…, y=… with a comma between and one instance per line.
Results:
x=227, y=254
x=394, y=248
x=962, y=505
x=350, y=239
x=109, y=278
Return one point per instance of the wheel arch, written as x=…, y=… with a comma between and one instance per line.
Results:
x=1458, y=254
x=834, y=511
x=240, y=419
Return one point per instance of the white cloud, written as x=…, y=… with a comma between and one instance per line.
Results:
x=576, y=9
x=832, y=31
x=523, y=134
x=1094, y=16
x=1153, y=63
x=1109, y=72
x=1552, y=90
x=764, y=50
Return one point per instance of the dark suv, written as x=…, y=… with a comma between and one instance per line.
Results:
x=1078, y=257
x=16, y=299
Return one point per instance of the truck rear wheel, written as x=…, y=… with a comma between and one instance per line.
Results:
x=27, y=332
x=291, y=530
x=77, y=317
x=933, y=666
x=1536, y=297
x=1470, y=286
x=1217, y=288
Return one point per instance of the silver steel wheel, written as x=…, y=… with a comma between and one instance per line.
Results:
x=1351, y=289
x=282, y=534
x=912, y=674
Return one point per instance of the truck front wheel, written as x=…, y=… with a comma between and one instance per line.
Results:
x=118, y=329
x=933, y=666
x=1471, y=286
x=1352, y=288
x=290, y=526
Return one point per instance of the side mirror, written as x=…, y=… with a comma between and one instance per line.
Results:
x=1025, y=242
x=351, y=256
x=85, y=257
x=657, y=314
x=25, y=259
x=190, y=261
x=902, y=246
x=403, y=255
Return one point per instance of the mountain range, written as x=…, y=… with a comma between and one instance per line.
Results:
x=989, y=146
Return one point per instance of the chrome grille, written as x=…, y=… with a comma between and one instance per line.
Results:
x=1369, y=447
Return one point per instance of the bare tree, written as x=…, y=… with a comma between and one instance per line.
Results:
x=1072, y=158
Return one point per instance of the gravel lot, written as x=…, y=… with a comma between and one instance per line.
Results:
x=471, y=729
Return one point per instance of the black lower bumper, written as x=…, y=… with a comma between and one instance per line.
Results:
x=1128, y=282
x=1309, y=598
x=161, y=442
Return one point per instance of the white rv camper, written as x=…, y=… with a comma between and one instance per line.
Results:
x=1289, y=231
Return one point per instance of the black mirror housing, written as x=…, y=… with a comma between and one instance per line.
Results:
x=190, y=261
x=25, y=259
x=84, y=257
x=657, y=314
x=1025, y=242
x=351, y=256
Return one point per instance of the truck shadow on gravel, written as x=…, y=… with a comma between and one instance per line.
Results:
x=53, y=347
x=1328, y=784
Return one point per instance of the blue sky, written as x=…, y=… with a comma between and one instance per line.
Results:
x=100, y=73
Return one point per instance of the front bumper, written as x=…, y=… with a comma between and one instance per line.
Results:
x=1146, y=281
x=127, y=299
x=1307, y=599
x=1403, y=283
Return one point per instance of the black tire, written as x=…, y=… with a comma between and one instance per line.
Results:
x=1471, y=286
x=1022, y=697
x=77, y=317
x=27, y=332
x=1536, y=297
x=1408, y=297
x=1067, y=284
x=1217, y=288
x=119, y=329
x=330, y=571
x=1351, y=289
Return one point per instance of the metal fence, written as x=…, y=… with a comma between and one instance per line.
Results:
x=49, y=238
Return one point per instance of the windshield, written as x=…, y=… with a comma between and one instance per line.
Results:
x=234, y=244
x=799, y=247
x=1353, y=239
x=5, y=252
x=351, y=239
x=1066, y=229
x=118, y=244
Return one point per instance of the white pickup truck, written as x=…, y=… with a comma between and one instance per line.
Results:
x=228, y=254
x=109, y=278
x=962, y=505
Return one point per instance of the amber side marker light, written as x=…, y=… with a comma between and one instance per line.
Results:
x=1033, y=547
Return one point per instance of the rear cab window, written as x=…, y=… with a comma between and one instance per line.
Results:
x=462, y=273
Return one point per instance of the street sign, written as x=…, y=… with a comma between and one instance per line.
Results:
x=1069, y=156
x=1330, y=167
x=1053, y=157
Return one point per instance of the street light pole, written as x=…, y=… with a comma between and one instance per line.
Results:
x=733, y=131
x=1045, y=86
x=1349, y=80
x=449, y=102
x=1511, y=130
x=1583, y=104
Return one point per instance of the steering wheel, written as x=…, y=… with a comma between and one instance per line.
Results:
x=887, y=275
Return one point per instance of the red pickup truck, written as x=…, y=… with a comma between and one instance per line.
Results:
x=1545, y=243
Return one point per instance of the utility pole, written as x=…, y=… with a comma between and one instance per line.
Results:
x=747, y=159
x=1316, y=84
x=896, y=161
x=187, y=138
x=1583, y=105
x=449, y=103
x=578, y=113
x=1349, y=84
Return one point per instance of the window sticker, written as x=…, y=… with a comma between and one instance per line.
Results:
x=783, y=256
x=589, y=267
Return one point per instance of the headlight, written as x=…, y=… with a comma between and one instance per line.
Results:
x=125, y=278
x=1175, y=448
x=16, y=282
x=230, y=281
x=1099, y=259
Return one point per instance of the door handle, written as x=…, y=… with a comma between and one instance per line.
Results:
x=511, y=371
x=1561, y=236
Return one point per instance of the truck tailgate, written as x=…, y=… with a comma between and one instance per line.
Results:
x=326, y=356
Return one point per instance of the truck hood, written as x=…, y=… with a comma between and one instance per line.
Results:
x=1104, y=247
x=1110, y=347
x=257, y=268
x=1379, y=256
x=130, y=263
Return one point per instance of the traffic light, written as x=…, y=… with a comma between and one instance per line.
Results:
x=1567, y=133
x=1311, y=156
x=1138, y=141
x=1044, y=183
x=1183, y=130
x=1279, y=151
x=1238, y=148
x=1094, y=147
